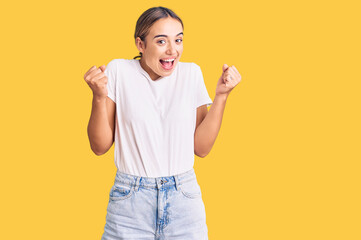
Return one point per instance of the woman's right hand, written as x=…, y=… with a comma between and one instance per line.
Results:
x=97, y=81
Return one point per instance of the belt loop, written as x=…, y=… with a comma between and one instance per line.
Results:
x=137, y=180
x=176, y=182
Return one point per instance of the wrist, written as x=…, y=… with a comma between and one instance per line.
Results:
x=222, y=97
x=97, y=98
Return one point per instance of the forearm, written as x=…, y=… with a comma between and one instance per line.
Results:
x=99, y=132
x=206, y=133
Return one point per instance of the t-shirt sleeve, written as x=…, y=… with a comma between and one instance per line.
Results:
x=111, y=73
x=202, y=96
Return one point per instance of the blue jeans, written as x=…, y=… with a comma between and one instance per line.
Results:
x=159, y=208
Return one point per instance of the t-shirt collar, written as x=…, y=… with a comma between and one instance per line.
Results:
x=137, y=62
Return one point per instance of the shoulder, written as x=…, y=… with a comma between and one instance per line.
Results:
x=190, y=66
x=121, y=65
x=195, y=65
x=118, y=61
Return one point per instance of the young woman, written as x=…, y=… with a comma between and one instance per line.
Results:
x=155, y=110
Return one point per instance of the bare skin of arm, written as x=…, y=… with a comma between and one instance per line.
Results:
x=101, y=125
x=208, y=125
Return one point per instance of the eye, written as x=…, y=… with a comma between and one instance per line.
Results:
x=181, y=40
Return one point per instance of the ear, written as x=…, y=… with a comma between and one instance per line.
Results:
x=140, y=44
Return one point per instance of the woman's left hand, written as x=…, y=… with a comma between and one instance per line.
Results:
x=229, y=79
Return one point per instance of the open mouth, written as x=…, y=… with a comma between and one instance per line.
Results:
x=167, y=64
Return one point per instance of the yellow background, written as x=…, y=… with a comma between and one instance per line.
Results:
x=286, y=163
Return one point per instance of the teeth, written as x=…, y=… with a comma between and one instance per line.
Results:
x=169, y=60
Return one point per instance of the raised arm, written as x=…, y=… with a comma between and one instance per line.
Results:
x=101, y=124
x=209, y=123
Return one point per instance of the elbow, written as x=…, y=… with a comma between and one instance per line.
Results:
x=100, y=143
x=98, y=151
x=200, y=154
x=200, y=151
x=99, y=148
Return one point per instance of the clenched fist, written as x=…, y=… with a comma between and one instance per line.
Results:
x=229, y=79
x=97, y=81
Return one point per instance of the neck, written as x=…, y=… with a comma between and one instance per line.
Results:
x=150, y=72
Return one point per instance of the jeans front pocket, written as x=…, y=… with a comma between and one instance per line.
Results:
x=191, y=189
x=120, y=191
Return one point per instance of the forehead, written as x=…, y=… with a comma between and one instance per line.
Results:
x=168, y=26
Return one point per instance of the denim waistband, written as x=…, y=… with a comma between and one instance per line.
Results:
x=155, y=183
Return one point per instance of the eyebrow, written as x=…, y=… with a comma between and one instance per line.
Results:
x=162, y=35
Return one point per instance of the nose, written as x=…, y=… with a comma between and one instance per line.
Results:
x=171, y=48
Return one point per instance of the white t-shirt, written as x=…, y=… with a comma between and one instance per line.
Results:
x=155, y=119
